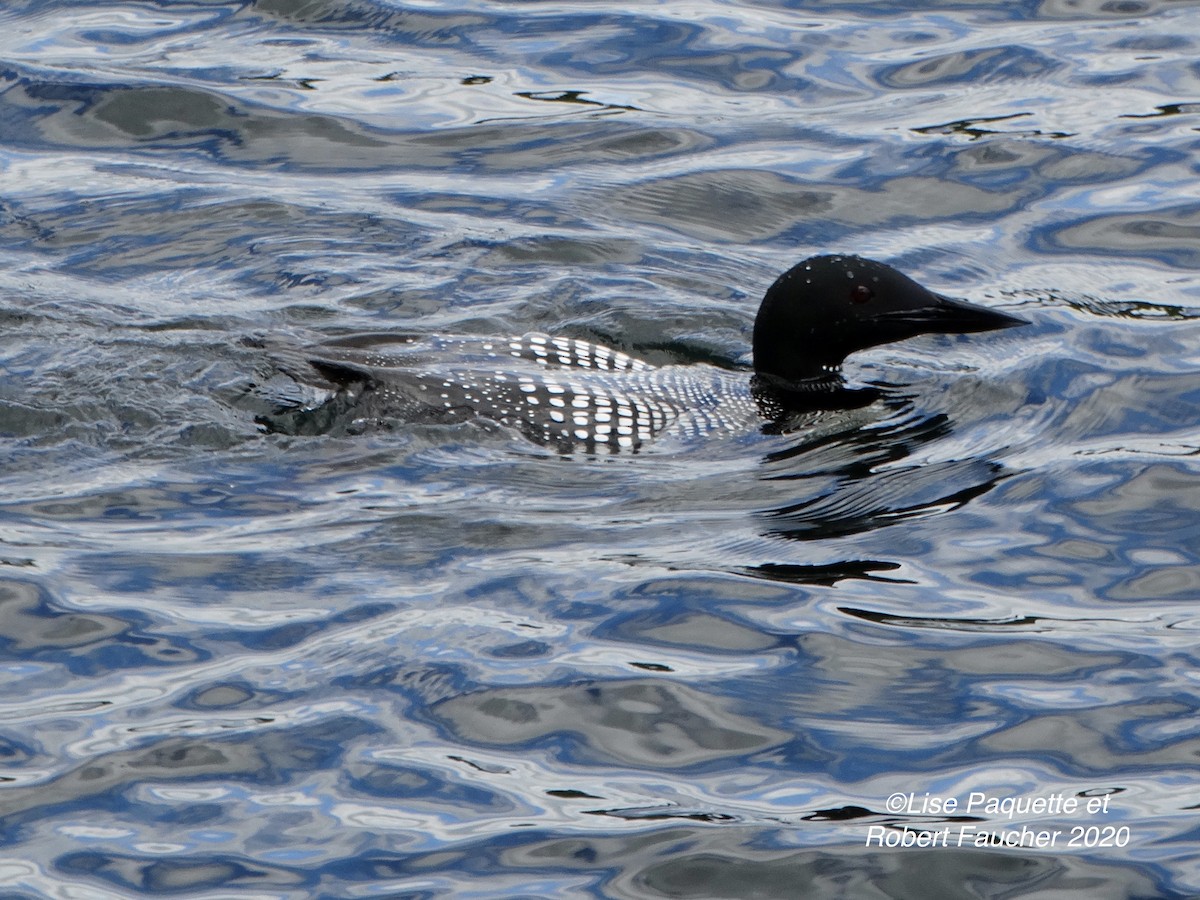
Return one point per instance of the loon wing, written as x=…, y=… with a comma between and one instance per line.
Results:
x=560, y=392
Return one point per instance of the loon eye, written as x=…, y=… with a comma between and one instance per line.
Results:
x=860, y=293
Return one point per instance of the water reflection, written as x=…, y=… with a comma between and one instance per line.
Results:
x=640, y=723
x=435, y=661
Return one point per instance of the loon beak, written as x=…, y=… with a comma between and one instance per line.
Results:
x=945, y=315
x=950, y=316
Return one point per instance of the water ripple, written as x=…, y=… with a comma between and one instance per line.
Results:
x=438, y=661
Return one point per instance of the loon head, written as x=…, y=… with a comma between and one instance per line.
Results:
x=827, y=307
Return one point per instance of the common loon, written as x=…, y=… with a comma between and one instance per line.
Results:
x=576, y=396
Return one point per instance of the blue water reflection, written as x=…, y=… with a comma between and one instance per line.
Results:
x=435, y=660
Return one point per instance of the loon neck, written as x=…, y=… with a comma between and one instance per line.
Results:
x=825, y=380
x=797, y=364
x=778, y=398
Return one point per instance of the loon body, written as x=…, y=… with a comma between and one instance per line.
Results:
x=574, y=395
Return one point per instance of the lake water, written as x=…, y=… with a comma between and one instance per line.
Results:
x=434, y=661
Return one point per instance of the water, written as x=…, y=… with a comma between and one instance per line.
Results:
x=436, y=660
